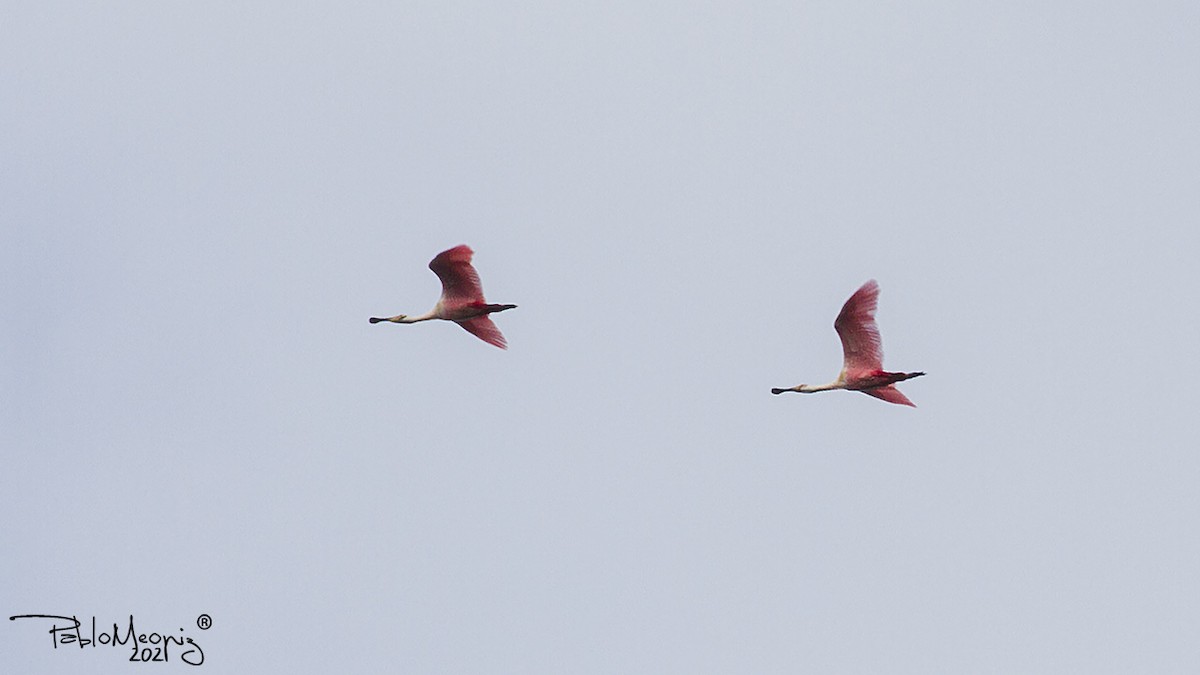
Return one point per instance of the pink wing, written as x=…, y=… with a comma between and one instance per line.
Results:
x=483, y=328
x=460, y=281
x=862, y=350
x=890, y=394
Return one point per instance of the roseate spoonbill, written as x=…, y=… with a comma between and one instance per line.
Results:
x=462, y=298
x=862, y=352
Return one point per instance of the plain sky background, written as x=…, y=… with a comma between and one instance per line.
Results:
x=201, y=203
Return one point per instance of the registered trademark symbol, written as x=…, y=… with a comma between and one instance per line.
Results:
x=204, y=621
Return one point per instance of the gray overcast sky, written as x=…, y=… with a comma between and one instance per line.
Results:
x=202, y=203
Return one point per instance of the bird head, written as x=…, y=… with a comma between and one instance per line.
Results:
x=395, y=319
x=777, y=390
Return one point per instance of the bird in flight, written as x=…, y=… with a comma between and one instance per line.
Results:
x=862, y=352
x=462, y=298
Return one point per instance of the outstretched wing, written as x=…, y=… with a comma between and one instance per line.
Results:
x=460, y=281
x=890, y=394
x=483, y=328
x=862, y=349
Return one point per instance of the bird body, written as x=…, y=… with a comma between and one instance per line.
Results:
x=462, y=298
x=862, y=353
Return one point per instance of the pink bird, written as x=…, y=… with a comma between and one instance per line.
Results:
x=462, y=298
x=862, y=352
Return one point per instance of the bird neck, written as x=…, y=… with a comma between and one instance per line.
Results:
x=810, y=388
x=414, y=319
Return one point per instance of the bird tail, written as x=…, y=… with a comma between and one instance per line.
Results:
x=888, y=392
